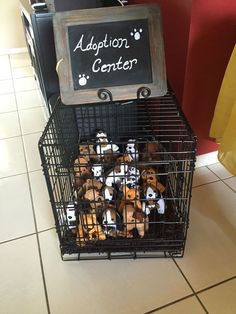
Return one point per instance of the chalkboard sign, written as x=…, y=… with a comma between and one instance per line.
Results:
x=119, y=49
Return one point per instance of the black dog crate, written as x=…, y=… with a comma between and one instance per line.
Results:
x=119, y=176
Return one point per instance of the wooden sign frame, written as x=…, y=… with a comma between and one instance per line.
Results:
x=151, y=74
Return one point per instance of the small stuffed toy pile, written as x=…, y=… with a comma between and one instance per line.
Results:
x=117, y=187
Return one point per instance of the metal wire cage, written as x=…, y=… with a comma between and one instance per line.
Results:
x=119, y=177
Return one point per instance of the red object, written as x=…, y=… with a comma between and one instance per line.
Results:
x=199, y=38
x=176, y=15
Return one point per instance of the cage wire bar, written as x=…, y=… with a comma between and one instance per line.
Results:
x=164, y=142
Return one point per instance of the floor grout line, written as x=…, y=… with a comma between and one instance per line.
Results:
x=203, y=184
x=13, y=175
x=18, y=238
x=34, y=215
x=35, y=107
x=37, y=237
x=217, y=284
x=190, y=286
x=20, y=109
x=218, y=175
x=22, y=134
x=223, y=180
x=228, y=186
x=169, y=304
x=27, y=235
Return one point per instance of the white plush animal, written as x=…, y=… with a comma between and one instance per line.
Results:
x=101, y=149
x=131, y=149
x=97, y=170
x=101, y=137
x=111, y=223
x=131, y=181
x=153, y=202
x=133, y=171
x=108, y=193
x=104, y=144
x=109, y=218
x=70, y=215
x=116, y=177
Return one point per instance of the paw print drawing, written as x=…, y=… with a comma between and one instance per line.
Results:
x=136, y=33
x=83, y=80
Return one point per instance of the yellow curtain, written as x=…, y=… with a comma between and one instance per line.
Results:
x=223, y=127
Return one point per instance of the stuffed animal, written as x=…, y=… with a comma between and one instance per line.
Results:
x=88, y=185
x=109, y=193
x=149, y=178
x=89, y=229
x=70, y=216
x=130, y=195
x=109, y=156
x=97, y=170
x=111, y=223
x=153, y=201
x=132, y=179
x=78, y=181
x=124, y=159
x=132, y=149
x=81, y=167
x=150, y=152
x=88, y=151
x=101, y=137
x=95, y=199
x=92, y=184
x=134, y=171
x=116, y=175
x=134, y=219
x=146, y=172
x=104, y=145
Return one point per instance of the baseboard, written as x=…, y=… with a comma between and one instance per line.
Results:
x=11, y=51
x=207, y=159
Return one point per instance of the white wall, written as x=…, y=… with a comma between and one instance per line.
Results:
x=11, y=28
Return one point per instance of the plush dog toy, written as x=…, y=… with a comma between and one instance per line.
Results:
x=116, y=175
x=132, y=149
x=130, y=196
x=109, y=193
x=88, y=185
x=111, y=223
x=104, y=145
x=92, y=184
x=150, y=152
x=89, y=229
x=81, y=167
x=153, y=201
x=134, y=219
x=95, y=199
x=132, y=179
x=71, y=216
x=149, y=178
x=97, y=170
x=88, y=151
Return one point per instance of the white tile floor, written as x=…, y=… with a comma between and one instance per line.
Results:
x=33, y=279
